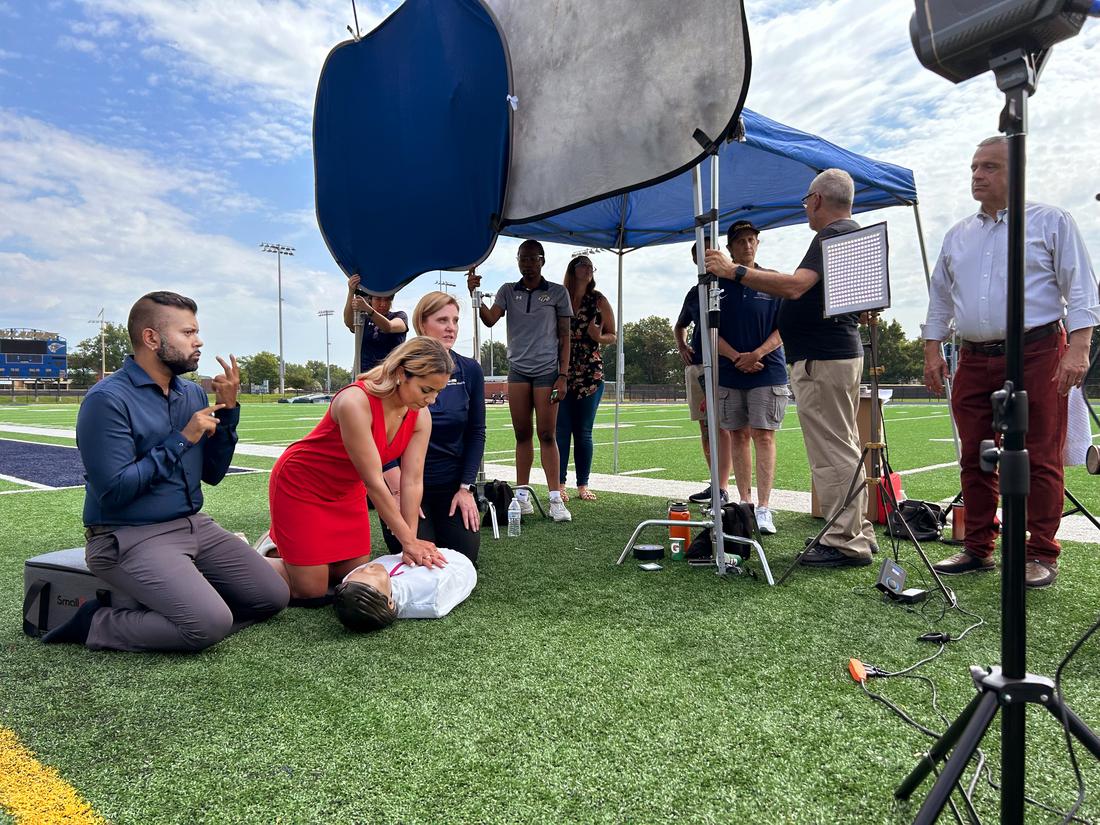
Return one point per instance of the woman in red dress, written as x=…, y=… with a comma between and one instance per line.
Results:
x=319, y=520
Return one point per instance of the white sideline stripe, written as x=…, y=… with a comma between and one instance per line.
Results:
x=44, y=444
x=928, y=468
x=28, y=430
x=1073, y=528
x=34, y=485
x=44, y=489
x=639, y=472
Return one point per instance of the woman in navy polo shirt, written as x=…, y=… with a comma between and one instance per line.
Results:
x=450, y=517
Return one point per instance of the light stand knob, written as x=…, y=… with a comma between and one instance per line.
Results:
x=989, y=455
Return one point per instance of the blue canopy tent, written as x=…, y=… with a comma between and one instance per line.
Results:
x=763, y=177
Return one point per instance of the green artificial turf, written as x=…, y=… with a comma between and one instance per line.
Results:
x=566, y=689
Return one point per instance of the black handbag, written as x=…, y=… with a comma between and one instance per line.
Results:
x=499, y=493
x=738, y=519
x=925, y=519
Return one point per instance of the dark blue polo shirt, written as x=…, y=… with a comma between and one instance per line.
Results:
x=138, y=467
x=458, y=427
x=748, y=318
x=377, y=344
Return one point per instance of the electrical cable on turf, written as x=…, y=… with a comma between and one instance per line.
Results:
x=967, y=794
x=1073, y=809
x=909, y=720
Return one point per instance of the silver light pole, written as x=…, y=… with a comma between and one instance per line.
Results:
x=280, y=250
x=326, y=314
x=102, y=343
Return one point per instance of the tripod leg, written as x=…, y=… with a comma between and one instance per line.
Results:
x=853, y=491
x=953, y=768
x=939, y=750
x=1078, y=507
x=1077, y=727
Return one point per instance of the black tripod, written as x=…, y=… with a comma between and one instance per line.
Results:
x=1009, y=688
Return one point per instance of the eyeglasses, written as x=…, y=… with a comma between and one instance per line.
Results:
x=523, y=259
x=806, y=197
x=585, y=265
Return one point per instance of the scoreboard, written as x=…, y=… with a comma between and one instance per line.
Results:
x=32, y=354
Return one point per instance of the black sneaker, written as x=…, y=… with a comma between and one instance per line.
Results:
x=821, y=555
x=702, y=497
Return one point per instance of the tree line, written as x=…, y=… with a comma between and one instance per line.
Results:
x=650, y=355
x=649, y=350
x=84, y=365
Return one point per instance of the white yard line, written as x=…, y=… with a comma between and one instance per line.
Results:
x=640, y=472
x=32, y=484
x=24, y=441
x=28, y=430
x=928, y=468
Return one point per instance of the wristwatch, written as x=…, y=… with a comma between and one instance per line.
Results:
x=471, y=487
x=740, y=272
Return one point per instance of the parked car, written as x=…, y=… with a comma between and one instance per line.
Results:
x=311, y=398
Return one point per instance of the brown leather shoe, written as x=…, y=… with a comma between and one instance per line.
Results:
x=961, y=563
x=1040, y=573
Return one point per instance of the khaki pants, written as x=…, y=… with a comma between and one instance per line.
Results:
x=827, y=395
x=199, y=582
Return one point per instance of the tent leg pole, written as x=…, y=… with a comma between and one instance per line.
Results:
x=619, y=371
x=476, y=305
x=950, y=372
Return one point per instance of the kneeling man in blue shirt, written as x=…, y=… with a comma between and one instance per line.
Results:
x=147, y=439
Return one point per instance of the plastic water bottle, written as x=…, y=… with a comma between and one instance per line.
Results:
x=513, y=519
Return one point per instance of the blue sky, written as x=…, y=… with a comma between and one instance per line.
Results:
x=152, y=144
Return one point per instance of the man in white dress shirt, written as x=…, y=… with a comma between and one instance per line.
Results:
x=969, y=292
x=375, y=594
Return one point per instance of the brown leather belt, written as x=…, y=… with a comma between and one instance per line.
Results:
x=998, y=347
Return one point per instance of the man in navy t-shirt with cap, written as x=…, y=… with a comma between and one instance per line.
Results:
x=752, y=376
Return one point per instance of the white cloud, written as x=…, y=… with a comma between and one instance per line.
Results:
x=77, y=44
x=89, y=226
x=272, y=49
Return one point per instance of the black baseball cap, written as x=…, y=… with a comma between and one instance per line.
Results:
x=737, y=226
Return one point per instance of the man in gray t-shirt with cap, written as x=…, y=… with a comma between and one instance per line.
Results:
x=538, y=354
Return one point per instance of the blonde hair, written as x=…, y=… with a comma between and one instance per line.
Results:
x=416, y=358
x=429, y=305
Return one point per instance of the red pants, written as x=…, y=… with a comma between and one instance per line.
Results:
x=976, y=378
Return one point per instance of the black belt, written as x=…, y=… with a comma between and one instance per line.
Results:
x=998, y=347
x=93, y=530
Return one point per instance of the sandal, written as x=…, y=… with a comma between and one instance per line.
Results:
x=584, y=494
x=564, y=495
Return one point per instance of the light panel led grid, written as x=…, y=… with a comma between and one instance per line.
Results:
x=857, y=271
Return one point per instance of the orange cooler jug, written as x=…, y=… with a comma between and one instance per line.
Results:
x=678, y=511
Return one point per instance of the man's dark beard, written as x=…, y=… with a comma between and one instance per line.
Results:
x=174, y=359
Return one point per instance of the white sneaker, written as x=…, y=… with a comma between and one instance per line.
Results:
x=264, y=544
x=526, y=508
x=558, y=511
x=764, y=521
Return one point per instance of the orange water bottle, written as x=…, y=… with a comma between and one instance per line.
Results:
x=678, y=511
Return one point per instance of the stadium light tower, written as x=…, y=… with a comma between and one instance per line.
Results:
x=280, y=250
x=102, y=343
x=326, y=314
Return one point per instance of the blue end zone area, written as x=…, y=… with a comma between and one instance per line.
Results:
x=49, y=465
